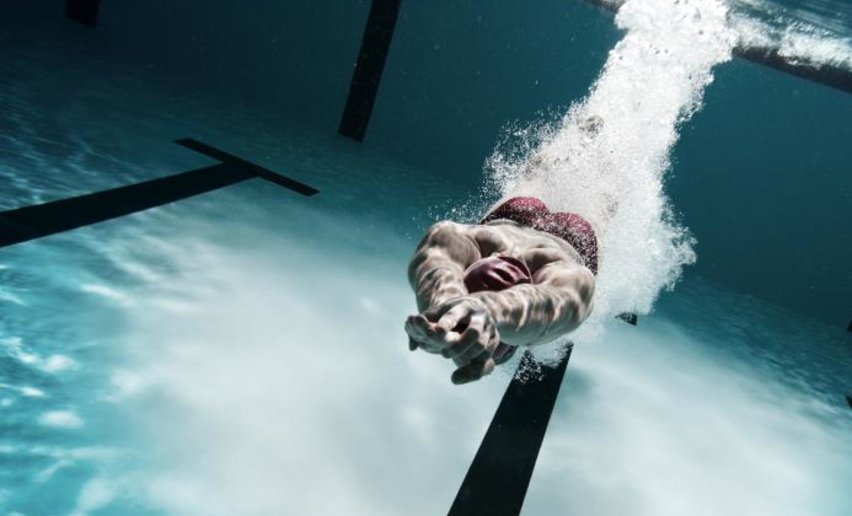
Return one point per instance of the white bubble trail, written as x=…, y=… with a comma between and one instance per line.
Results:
x=607, y=157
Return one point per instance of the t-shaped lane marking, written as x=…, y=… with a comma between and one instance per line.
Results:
x=31, y=222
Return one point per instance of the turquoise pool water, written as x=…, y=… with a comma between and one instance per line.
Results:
x=242, y=352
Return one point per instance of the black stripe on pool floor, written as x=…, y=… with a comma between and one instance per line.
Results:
x=31, y=222
x=369, y=67
x=497, y=481
x=629, y=317
x=83, y=11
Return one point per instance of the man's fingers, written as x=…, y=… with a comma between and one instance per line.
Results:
x=454, y=316
x=470, y=355
x=458, y=348
x=468, y=348
x=421, y=329
x=477, y=351
x=419, y=333
x=427, y=336
x=475, y=326
x=413, y=327
x=478, y=333
x=479, y=338
x=469, y=338
x=436, y=312
x=472, y=371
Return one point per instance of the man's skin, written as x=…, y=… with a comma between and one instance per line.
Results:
x=467, y=327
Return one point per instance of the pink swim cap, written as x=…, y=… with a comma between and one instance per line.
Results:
x=496, y=273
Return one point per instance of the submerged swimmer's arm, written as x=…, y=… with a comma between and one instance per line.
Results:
x=436, y=271
x=558, y=300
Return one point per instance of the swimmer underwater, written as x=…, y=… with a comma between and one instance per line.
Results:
x=523, y=276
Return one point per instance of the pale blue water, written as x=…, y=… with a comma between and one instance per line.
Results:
x=242, y=352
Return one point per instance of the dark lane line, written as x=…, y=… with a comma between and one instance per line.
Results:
x=497, y=481
x=31, y=222
x=83, y=11
x=368, y=69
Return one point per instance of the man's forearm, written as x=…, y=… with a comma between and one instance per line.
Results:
x=436, y=281
x=436, y=271
x=534, y=313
